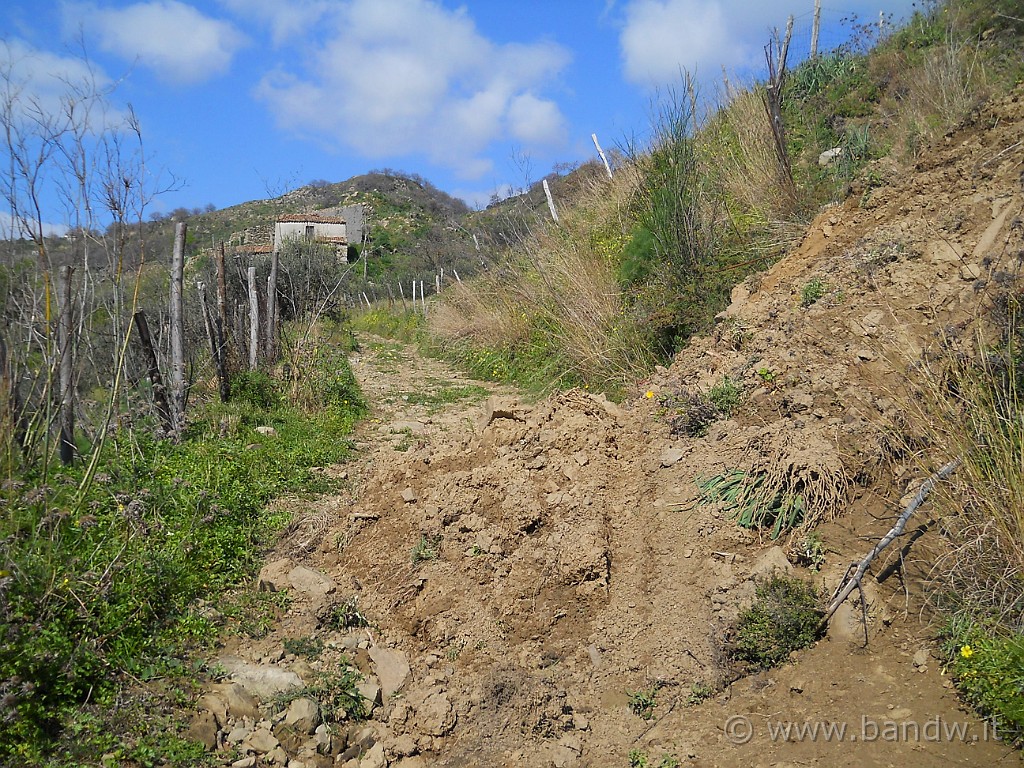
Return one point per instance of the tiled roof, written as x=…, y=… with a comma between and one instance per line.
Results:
x=310, y=218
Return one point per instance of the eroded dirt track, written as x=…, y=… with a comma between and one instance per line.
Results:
x=526, y=567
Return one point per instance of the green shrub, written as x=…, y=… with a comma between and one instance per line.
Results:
x=255, y=388
x=988, y=667
x=785, y=617
x=812, y=291
x=726, y=396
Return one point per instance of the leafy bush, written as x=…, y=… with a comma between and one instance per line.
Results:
x=255, y=388
x=988, y=666
x=785, y=617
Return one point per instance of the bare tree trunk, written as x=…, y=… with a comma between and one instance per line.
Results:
x=254, y=321
x=65, y=330
x=239, y=332
x=178, y=328
x=216, y=336
x=272, y=309
x=163, y=408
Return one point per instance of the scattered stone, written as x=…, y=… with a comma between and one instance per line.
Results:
x=866, y=355
x=274, y=575
x=435, y=715
x=409, y=496
x=204, y=729
x=261, y=682
x=921, y=657
x=267, y=431
x=237, y=734
x=412, y=427
x=310, y=582
x=369, y=689
x=245, y=762
x=261, y=741
x=374, y=758
x=830, y=156
x=404, y=746
x=671, y=456
x=303, y=715
x=277, y=756
x=970, y=272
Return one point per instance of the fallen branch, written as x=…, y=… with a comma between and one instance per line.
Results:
x=852, y=582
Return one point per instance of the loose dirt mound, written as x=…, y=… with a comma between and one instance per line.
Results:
x=526, y=567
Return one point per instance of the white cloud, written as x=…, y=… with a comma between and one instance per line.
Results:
x=285, y=19
x=661, y=38
x=393, y=77
x=176, y=41
x=42, y=86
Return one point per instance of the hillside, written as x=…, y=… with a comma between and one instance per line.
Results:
x=574, y=599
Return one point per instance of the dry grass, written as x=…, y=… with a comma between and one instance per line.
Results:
x=970, y=406
x=558, y=289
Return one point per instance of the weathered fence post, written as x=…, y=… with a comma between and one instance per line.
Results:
x=222, y=291
x=178, y=329
x=216, y=338
x=163, y=409
x=272, y=309
x=551, y=202
x=815, y=27
x=604, y=159
x=254, y=320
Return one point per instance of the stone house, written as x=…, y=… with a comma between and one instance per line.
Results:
x=312, y=227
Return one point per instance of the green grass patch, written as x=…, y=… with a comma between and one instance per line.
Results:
x=103, y=582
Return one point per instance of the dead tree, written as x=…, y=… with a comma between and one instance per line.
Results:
x=272, y=313
x=773, y=101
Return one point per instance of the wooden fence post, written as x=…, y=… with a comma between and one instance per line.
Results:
x=254, y=320
x=216, y=338
x=773, y=101
x=815, y=28
x=178, y=329
x=163, y=409
x=604, y=159
x=272, y=309
x=551, y=202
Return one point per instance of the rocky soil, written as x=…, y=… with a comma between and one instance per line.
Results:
x=527, y=568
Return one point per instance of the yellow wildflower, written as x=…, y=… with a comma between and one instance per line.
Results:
x=648, y=394
x=967, y=651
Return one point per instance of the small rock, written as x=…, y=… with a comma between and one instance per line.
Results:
x=409, y=495
x=866, y=355
x=671, y=456
x=310, y=582
x=215, y=704
x=771, y=560
x=245, y=762
x=830, y=156
x=374, y=758
x=277, y=756
x=921, y=657
x=392, y=668
x=435, y=716
x=267, y=431
x=404, y=746
x=274, y=575
x=303, y=715
x=204, y=729
x=970, y=272
x=237, y=734
x=261, y=741
x=370, y=690
x=261, y=682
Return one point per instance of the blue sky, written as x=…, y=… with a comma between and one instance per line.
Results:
x=241, y=98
